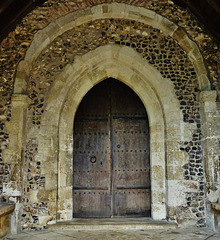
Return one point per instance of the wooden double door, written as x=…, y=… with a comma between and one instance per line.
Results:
x=111, y=166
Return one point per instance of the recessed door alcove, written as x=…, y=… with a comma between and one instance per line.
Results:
x=73, y=85
x=111, y=158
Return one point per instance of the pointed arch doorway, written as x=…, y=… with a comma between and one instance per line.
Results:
x=111, y=158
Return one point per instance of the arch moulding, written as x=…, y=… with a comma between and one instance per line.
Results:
x=113, y=10
x=127, y=66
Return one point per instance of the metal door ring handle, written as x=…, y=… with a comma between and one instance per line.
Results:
x=93, y=159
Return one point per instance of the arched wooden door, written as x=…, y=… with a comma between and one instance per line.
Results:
x=111, y=164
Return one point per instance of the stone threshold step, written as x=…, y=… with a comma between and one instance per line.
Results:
x=112, y=224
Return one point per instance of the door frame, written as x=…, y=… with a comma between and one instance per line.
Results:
x=126, y=65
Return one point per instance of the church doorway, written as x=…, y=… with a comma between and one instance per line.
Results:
x=111, y=158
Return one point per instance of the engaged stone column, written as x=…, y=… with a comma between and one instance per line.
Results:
x=15, y=127
x=211, y=136
x=13, y=154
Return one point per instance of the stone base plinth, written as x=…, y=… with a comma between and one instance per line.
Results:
x=5, y=218
x=113, y=224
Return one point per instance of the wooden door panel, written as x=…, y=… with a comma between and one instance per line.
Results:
x=91, y=155
x=91, y=203
x=130, y=129
x=131, y=153
x=91, y=178
x=131, y=179
x=111, y=173
x=130, y=145
x=91, y=164
x=131, y=170
x=137, y=164
x=132, y=202
x=91, y=135
x=91, y=174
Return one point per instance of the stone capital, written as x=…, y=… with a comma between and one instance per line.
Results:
x=20, y=100
x=22, y=74
x=208, y=96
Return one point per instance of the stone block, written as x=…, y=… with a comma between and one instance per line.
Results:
x=177, y=158
x=51, y=181
x=208, y=96
x=34, y=51
x=157, y=158
x=157, y=172
x=187, y=44
x=173, y=146
x=169, y=28
x=5, y=218
x=179, y=34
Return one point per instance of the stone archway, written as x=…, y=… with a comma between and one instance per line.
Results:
x=127, y=66
x=114, y=10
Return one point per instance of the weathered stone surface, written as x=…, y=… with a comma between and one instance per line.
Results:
x=5, y=218
x=29, y=147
